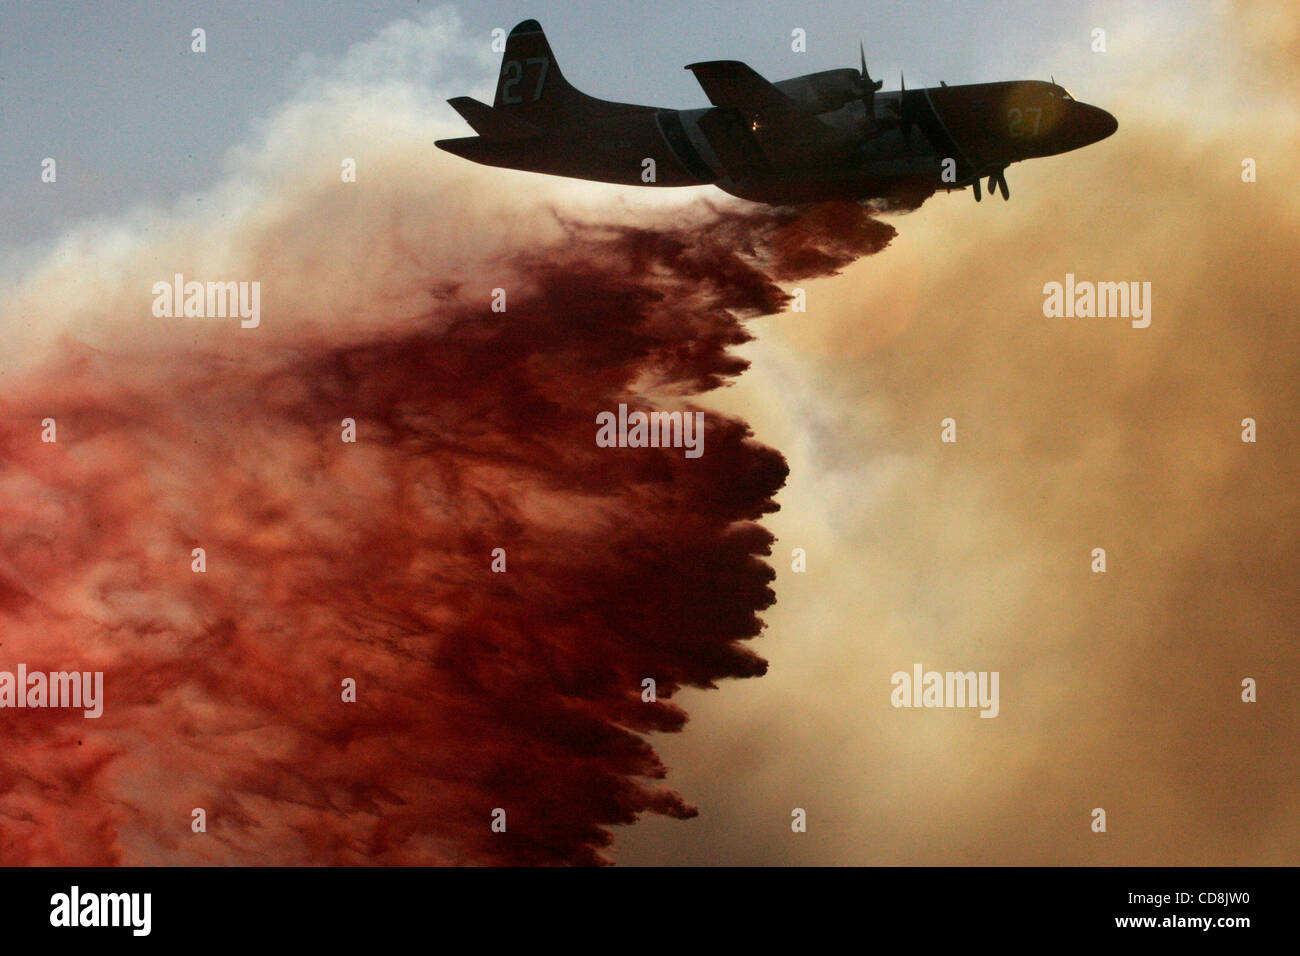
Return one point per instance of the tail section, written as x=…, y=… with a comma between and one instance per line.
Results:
x=539, y=123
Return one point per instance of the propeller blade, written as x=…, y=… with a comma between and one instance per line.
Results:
x=1002, y=181
x=868, y=88
x=904, y=115
x=977, y=189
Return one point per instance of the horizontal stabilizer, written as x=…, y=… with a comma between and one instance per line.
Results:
x=492, y=124
x=470, y=147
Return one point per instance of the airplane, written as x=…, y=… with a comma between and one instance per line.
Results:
x=827, y=135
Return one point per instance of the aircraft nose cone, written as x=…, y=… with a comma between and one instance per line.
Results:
x=1107, y=124
x=1096, y=123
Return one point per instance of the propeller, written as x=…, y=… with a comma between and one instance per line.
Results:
x=904, y=113
x=868, y=87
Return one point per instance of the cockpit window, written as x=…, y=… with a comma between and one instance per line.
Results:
x=1060, y=91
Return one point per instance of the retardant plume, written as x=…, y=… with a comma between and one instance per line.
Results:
x=372, y=560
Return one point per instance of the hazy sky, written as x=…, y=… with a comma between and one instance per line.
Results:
x=1118, y=690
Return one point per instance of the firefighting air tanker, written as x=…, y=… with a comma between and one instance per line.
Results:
x=828, y=135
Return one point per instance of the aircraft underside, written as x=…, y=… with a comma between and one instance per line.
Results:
x=617, y=150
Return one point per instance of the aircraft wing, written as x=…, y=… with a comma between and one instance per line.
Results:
x=784, y=130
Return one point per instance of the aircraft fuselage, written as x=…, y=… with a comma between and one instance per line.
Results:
x=822, y=136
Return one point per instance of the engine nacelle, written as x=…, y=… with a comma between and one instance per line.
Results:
x=825, y=91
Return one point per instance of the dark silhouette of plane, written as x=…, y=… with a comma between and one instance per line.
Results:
x=828, y=135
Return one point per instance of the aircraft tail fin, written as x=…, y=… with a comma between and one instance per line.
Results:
x=532, y=88
x=530, y=84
